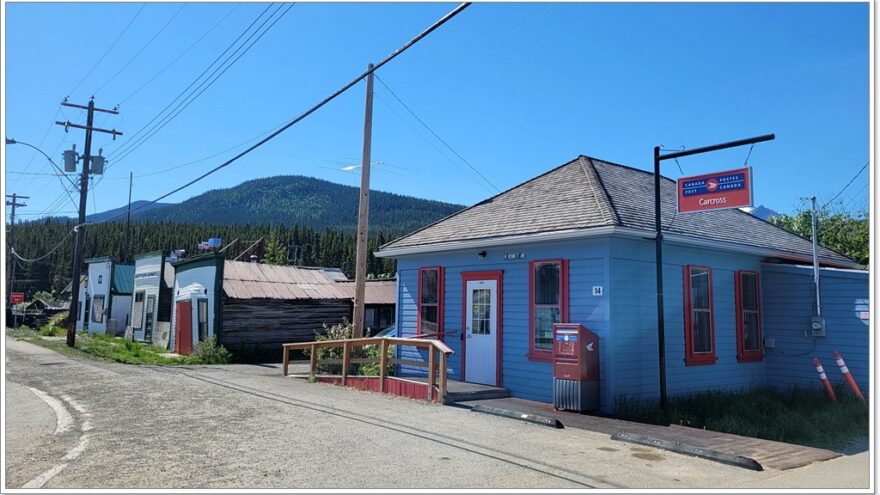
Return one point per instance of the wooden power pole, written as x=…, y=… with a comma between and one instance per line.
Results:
x=360, y=278
x=12, y=261
x=83, y=196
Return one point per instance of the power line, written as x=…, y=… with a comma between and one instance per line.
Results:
x=848, y=183
x=856, y=196
x=180, y=109
x=408, y=109
x=108, y=49
x=34, y=154
x=150, y=80
x=134, y=138
x=34, y=260
x=136, y=55
x=305, y=114
x=433, y=145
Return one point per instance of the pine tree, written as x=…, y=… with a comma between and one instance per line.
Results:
x=275, y=254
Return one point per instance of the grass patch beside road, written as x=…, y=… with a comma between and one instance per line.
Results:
x=798, y=415
x=106, y=348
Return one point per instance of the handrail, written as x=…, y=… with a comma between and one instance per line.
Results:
x=433, y=347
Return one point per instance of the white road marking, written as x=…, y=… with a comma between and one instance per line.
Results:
x=76, y=451
x=41, y=480
x=63, y=424
x=64, y=421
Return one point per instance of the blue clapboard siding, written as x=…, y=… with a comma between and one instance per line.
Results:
x=789, y=298
x=588, y=267
x=634, y=317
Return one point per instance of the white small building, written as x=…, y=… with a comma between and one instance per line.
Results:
x=105, y=296
x=152, y=294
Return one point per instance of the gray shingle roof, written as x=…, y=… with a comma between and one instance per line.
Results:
x=587, y=193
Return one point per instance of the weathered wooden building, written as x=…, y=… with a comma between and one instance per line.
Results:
x=151, y=302
x=254, y=308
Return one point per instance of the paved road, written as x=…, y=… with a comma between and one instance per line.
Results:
x=246, y=426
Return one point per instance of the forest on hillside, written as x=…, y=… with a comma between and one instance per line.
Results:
x=303, y=201
x=293, y=245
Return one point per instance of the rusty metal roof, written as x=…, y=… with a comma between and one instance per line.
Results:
x=243, y=280
x=377, y=291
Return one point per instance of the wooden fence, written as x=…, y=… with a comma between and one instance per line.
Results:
x=437, y=363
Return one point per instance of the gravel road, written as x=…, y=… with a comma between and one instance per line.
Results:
x=245, y=426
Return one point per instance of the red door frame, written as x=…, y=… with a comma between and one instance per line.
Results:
x=497, y=276
x=184, y=327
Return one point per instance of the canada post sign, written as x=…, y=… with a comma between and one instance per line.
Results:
x=731, y=189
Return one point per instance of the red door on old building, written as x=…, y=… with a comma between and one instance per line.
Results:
x=183, y=323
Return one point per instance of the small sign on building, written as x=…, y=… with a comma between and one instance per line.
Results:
x=717, y=191
x=17, y=297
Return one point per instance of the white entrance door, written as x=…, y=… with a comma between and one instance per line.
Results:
x=481, y=335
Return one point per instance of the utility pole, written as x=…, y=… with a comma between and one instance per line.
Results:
x=360, y=278
x=815, y=259
x=127, y=246
x=83, y=196
x=14, y=204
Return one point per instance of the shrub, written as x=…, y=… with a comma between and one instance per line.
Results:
x=50, y=330
x=209, y=352
x=343, y=331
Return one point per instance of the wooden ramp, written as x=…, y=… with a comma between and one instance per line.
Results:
x=770, y=454
x=463, y=391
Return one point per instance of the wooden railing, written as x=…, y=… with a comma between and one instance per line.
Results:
x=436, y=364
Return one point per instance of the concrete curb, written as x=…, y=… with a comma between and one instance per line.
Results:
x=678, y=447
x=529, y=418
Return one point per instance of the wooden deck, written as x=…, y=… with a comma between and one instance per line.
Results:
x=770, y=454
x=463, y=391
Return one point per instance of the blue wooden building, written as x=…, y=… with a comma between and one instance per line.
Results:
x=576, y=244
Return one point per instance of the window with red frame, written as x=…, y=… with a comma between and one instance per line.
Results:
x=699, y=331
x=548, y=296
x=430, y=317
x=748, y=316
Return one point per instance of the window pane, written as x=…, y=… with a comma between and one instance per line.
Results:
x=547, y=283
x=98, y=309
x=544, y=320
x=203, y=320
x=699, y=288
x=429, y=319
x=480, y=311
x=137, y=313
x=749, y=286
x=750, y=331
x=429, y=286
x=701, y=331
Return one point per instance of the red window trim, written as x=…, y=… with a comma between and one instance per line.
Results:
x=697, y=358
x=440, y=300
x=546, y=355
x=742, y=355
x=498, y=277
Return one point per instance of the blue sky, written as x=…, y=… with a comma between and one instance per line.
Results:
x=516, y=89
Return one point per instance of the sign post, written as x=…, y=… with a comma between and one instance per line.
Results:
x=658, y=240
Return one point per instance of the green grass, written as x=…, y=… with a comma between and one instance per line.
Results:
x=106, y=348
x=802, y=416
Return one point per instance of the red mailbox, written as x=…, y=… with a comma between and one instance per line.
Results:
x=575, y=367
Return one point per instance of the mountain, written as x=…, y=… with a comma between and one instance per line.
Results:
x=145, y=205
x=760, y=211
x=298, y=200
